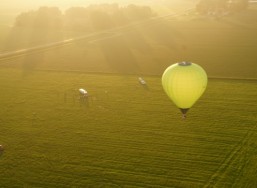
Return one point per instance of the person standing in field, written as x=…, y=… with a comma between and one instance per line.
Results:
x=1, y=149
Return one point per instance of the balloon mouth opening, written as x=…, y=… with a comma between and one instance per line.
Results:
x=184, y=63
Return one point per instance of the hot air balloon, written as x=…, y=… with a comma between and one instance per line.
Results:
x=184, y=83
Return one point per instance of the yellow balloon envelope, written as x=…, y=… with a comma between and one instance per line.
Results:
x=184, y=83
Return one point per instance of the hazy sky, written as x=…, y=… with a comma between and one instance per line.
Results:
x=65, y=3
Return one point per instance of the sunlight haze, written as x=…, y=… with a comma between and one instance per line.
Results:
x=128, y=93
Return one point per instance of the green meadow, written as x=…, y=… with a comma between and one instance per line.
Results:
x=127, y=135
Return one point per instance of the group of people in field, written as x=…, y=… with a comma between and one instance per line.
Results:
x=84, y=96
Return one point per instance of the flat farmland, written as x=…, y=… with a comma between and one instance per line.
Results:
x=125, y=135
x=224, y=48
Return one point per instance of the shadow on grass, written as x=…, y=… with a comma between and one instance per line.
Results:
x=119, y=56
x=29, y=38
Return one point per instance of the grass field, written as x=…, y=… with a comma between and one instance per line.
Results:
x=127, y=136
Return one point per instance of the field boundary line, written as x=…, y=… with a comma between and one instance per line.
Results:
x=135, y=74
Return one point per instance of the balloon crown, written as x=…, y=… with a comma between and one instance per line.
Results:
x=184, y=63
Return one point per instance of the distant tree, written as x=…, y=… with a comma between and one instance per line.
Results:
x=77, y=18
x=206, y=6
x=25, y=19
x=238, y=5
x=48, y=17
x=119, y=17
x=44, y=17
x=134, y=12
x=106, y=7
x=93, y=17
x=101, y=20
x=104, y=16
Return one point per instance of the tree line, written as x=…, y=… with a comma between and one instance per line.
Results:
x=221, y=6
x=93, y=17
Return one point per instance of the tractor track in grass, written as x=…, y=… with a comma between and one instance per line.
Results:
x=229, y=160
x=141, y=178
